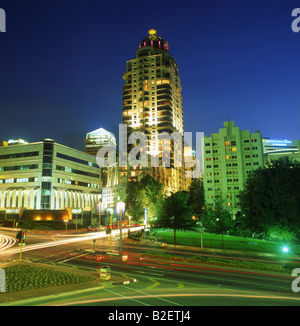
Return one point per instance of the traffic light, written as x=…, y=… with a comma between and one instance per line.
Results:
x=21, y=236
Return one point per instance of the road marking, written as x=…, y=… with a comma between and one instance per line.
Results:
x=180, y=285
x=153, y=296
x=63, y=261
x=150, y=273
x=155, y=283
x=125, y=296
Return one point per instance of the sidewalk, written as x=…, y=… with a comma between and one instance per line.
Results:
x=32, y=297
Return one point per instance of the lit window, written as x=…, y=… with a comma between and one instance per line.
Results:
x=227, y=157
x=227, y=143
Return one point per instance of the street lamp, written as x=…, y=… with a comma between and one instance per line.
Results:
x=285, y=249
x=120, y=211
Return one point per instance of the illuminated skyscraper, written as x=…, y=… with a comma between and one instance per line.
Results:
x=152, y=104
x=97, y=139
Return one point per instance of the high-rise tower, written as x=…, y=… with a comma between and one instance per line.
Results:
x=152, y=104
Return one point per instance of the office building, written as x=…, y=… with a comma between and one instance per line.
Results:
x=276, y=148
x=97, y=139
x=46, y=176
x=152, y=104
x=228, y=158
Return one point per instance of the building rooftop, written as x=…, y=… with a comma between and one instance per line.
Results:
x=154, y=41
x=99, y=132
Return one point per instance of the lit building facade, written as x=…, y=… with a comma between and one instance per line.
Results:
x=152, y=104
x=228, y=158
x=277, y=148
x=48, y=176
x=97, y=139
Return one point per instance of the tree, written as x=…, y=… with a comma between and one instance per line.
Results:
x=196, y=199
x=217, y=219
x=147, y=193
x=176, y=212
x=271, y=198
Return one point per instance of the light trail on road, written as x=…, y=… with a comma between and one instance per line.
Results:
x=6, y=242
x=87, y=237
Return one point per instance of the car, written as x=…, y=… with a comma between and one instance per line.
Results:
x=79, y=254
x=93, y=228
x=94, y=257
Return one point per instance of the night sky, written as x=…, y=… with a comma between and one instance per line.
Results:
x=62, y=63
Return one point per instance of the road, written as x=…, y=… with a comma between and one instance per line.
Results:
x=159, y=282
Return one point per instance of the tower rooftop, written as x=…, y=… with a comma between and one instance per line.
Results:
x=154, y=41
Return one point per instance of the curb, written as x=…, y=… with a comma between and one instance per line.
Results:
x=125, y=282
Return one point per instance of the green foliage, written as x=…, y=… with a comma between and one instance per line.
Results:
x=25, y=277
x=280, y=233
x=177, y=212
x=217, y=219
x=271, y=198
x=148, y=193
x=196, y=199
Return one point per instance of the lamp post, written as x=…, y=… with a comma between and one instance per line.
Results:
x=99, y=205
x=120, y=211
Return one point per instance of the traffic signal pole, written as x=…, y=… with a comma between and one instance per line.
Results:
x=21, y=249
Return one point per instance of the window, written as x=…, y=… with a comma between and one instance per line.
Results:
x=46, y=185
x=227, y=143
x=8, y=156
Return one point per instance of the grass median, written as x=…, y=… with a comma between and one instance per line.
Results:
x=24, y=277
x=198, y=259
x=210, y=240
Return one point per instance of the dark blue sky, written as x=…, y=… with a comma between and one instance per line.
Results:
x=62, y=64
